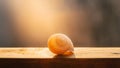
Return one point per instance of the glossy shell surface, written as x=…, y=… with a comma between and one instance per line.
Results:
x=60, y=44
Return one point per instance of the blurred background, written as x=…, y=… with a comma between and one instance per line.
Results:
x=88, y=23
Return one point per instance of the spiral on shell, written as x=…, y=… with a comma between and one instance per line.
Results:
x=60, y=44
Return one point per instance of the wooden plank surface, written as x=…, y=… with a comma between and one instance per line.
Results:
x=90, y=57
x=80, y=52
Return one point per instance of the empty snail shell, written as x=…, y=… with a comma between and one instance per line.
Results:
x=60, y=44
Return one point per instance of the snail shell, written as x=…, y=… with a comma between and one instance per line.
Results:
x=60, y=44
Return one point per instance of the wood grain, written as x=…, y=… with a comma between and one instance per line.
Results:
x=90, y=52
x=90, y=57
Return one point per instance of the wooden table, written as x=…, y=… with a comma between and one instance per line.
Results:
x=83, y=57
